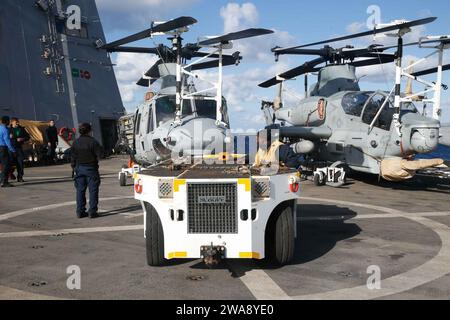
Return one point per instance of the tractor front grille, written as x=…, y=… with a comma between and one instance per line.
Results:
x=212, y=207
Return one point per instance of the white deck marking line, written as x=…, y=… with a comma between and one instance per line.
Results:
x=257, y=280
x=38, y=233
x=33, y=178
x=431, y=270
x=375, y=216
x=263, y=287
x=259, y=283
x=15, y=294
x=356, y=204
x=18, y=213
x=132, y=215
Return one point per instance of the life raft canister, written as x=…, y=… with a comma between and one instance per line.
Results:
x=67, y=134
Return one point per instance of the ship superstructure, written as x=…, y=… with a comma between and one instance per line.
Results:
x=50, y=67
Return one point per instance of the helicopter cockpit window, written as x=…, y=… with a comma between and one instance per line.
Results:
x=225, y=116
x=166, y=107
x=150, y=121
x=137, y=120
x=408, y=107
x=206, y=108
x=373, y=106
x=354, y=102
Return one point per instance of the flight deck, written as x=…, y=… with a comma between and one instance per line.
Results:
x=404, y=229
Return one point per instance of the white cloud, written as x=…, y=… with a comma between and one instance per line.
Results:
x=241, y=87
x=128, y=15
x=129, y=69
x=356, y=27
x=237, y=17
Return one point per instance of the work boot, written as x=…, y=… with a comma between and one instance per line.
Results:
x=7, y=185
x=93, y=215
x=82, y=215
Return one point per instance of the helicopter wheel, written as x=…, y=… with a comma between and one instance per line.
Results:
x=340, y=164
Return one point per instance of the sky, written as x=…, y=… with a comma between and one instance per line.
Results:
x=294, y=22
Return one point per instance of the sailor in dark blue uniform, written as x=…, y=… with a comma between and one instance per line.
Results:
x=85, y=155
x=6, y=148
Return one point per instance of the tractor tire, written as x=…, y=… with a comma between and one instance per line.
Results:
x=319, y=179
x=123, y=179
x=280, y=236
x=154, y=237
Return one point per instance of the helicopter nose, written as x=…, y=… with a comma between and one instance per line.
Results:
x=420, y=134
x=197, y=137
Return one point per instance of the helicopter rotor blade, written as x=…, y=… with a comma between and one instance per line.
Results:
x=304, y=68
x=444, y=40
x=200, y=54
x=380, y=56
x=306, y=52
x=145, y=82
x=134, y=50
x=375, y=31
x=372, y=62
x=163, y=27
x=228, y=61
x=153, y=72
x=247, y=33
x=333, y=55
x=429, y=71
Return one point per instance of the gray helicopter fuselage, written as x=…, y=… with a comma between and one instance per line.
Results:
x=159, y=137
x=340, y=127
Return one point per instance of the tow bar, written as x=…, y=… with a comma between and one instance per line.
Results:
x=212, y=255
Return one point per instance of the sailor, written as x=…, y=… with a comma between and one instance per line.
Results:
x=19, y=136
x=85, y=155
x=272, y=152
x=6, y=147
x=51, y=136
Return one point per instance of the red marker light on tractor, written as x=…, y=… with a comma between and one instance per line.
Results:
x=138, y=186
x=294, y=184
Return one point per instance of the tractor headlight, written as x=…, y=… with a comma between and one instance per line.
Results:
x=165, y=188
x=261, y=188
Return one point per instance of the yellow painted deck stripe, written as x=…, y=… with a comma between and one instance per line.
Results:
x=177, y=183
x=181, y=254
x=246, y=182
x=249, y=255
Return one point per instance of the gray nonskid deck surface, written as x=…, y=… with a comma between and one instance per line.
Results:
x=404, y=229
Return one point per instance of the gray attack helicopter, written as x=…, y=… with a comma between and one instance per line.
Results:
x=180, y=121
x=339, y=126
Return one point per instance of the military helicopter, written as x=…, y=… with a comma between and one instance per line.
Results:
x=179, y=121
x=339, y=126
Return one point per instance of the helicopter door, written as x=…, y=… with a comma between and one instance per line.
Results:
x=148, y=136
x=139, y=146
